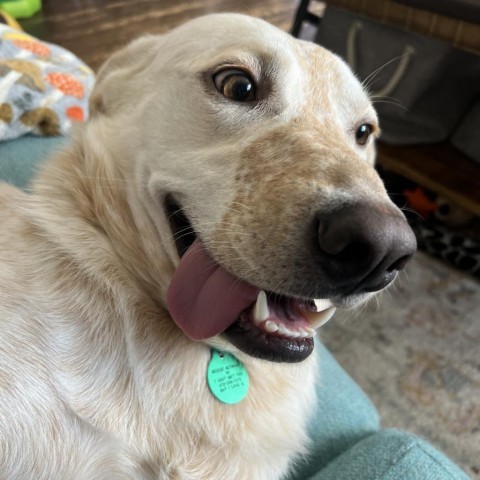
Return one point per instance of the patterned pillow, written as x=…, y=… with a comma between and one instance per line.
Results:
x=43, y=87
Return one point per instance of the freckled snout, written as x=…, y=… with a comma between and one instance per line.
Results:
x=363, y=246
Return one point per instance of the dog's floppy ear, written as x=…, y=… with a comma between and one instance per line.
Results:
x=117, y=79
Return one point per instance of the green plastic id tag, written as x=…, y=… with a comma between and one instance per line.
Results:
x=227, y=378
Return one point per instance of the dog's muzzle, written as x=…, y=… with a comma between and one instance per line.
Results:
x=358, y=249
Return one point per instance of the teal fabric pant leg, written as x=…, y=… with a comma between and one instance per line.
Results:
x=21, y=158
x=343, y=416
x=391, y=455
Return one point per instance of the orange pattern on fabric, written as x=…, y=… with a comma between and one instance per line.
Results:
x=35, y=47
x=66, y=84
x=75, y=113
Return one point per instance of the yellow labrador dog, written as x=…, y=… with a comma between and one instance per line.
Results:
x=220, y=203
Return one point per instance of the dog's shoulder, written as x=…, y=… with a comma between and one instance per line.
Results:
x=16, y=234
x=12, y=201
x=9, y=196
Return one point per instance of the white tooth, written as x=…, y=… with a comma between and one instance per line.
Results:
x=260, y=312
x=303, y=333
x=311, y=332
x=283, y=331
x=317, y=319
x=292, y=333
x=270, y=326
x=322, y=304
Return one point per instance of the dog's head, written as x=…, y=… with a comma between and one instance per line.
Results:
x=252, y=153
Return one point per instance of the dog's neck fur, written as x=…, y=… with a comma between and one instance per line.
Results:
x=86, y=227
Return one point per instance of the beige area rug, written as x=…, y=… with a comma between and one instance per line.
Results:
x=416, y=353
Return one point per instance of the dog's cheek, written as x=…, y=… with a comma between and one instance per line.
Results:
x=265, y=235
x=265, y=228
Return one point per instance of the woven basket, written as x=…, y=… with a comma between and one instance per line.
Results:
x=458, y=33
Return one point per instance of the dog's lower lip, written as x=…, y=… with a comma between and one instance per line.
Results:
x=278, y=328
x=250, y=339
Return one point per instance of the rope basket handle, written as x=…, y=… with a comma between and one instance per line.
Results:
x=398, y=74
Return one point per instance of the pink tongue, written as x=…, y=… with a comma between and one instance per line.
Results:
x=203, y=298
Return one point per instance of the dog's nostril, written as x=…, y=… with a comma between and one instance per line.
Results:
x=354, y=252
x=380, y=283
x=399, y=264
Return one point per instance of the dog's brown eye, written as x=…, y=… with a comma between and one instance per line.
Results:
x=363, y=132
x=235, y=85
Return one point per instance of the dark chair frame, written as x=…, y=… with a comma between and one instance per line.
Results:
x=304, y=15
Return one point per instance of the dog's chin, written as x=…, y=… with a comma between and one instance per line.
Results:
x=273, y=326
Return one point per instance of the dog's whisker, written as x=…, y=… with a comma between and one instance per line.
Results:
x=177, y=237
x=230, y=236
x=243, y=206
x=396, y=104
x=378, y=98
x=411, y=210
x=230, y=233
x=348, y=316
x=182, y=209
x=404, y=273
x=384, y=97
x=389, y=102
x=230, y=224
x=180, y=233
x=366, y=83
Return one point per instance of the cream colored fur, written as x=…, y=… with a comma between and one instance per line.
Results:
x=96, y=381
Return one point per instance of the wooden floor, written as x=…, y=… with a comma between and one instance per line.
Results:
x=93, y=29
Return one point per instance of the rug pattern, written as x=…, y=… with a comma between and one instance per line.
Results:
x=416, y=352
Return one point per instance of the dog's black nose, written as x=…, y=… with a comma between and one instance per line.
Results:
x=364, y=245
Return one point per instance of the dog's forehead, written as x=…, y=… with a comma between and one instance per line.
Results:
x=205, y=41
x=226, y=30
x=306, y=69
